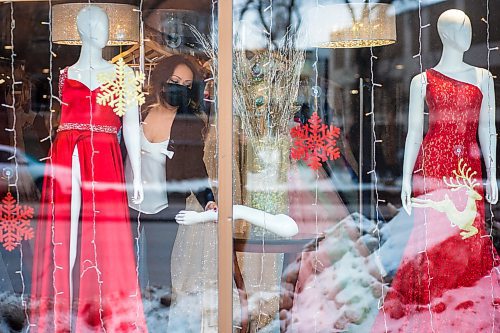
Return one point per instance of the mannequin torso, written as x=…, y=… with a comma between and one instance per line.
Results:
x=455, y=31
x=87, y=73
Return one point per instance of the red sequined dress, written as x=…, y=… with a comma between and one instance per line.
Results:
x=448, y=279
x=104, y=295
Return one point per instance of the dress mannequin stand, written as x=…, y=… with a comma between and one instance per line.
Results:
x=449, y=260
x=84, y=272
x=93, y=27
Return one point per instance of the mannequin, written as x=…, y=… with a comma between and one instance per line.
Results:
x=455, y=31
x=280, y=224
x=449, y=248
x=93, y=27
x=84, y=270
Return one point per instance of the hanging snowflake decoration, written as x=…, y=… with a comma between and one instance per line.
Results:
x=315, y=142
x=14, y=222
x=121, y=88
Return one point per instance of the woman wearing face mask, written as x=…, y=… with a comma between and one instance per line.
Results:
x=172, y=163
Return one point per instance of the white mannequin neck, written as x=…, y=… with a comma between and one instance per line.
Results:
x=90, y=58
x=451, y=61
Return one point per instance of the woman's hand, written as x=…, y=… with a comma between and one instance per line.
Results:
x=211, y=205
x=138, y=191
x=491, y=191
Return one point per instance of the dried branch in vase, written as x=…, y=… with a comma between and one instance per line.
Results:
x=265, y=88
x=209, y=47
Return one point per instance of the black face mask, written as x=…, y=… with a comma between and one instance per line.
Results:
x=176, y=94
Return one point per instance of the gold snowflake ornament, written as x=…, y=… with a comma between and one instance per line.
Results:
x=121, y=88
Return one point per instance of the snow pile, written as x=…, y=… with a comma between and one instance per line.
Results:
x=339, y=285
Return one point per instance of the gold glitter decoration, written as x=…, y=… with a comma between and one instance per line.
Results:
x=351, y=44
x=266, y=85
x=123, y=23
x=267, y=163
x=121, y=88
x=356, y=25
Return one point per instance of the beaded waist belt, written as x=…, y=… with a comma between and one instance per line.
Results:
x=87, y=127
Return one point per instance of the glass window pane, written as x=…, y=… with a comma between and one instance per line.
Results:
x=108, y=166
x=341, y=110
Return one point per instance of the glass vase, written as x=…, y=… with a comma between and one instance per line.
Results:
x=268, y=164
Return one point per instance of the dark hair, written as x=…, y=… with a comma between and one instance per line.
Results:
x=164, y=70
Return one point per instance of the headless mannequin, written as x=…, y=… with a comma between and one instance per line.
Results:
x=282, y=225
x=93, y=26
x=455, y=31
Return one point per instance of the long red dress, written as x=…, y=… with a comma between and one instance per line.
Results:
x=106, y=296
x=448, y=280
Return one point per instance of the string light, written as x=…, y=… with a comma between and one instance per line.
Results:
x=14, y=156
x=423, y=84
x=493, y=273
x=138, y=238
x=268, y=33
x=51, y=165
x=95, y=264
x=316, y=94
x=373, y=172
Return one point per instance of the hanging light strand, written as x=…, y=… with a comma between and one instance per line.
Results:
x=13, y=158
x=138, y=230
x=495, y=272
x=95, y=264
x=269, y=34
x=423, y=85
x=373, y=172
x=316, y=94
x=51, y=165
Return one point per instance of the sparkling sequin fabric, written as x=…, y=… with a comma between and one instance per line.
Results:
x=446, y=282
x=87, y=127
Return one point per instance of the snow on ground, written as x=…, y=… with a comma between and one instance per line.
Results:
x=339, y=287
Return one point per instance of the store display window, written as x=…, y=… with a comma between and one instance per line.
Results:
x=249, y=166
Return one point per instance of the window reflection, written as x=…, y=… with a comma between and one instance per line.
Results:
x=358, y=263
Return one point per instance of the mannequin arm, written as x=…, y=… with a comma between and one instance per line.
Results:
x=280, y=224
x=487, y=135
x=131, y=137
x=414, y=137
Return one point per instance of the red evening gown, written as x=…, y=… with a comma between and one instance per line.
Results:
x=448, y=279
x=106, y=296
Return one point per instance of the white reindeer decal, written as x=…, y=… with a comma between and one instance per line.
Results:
x=463, y=219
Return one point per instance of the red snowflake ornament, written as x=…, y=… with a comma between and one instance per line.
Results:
x=315, y=142
x=14, y=222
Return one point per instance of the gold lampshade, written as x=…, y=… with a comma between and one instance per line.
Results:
x=123, y=23
x=354, y=25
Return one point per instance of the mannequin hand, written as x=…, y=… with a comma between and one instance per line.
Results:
x=406, y=196
x=188, y=217
x=491, y=191
x=138, y=191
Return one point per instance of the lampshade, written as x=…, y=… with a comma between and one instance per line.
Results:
x=173, y=24
x=352, y=25
x=123, y=23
